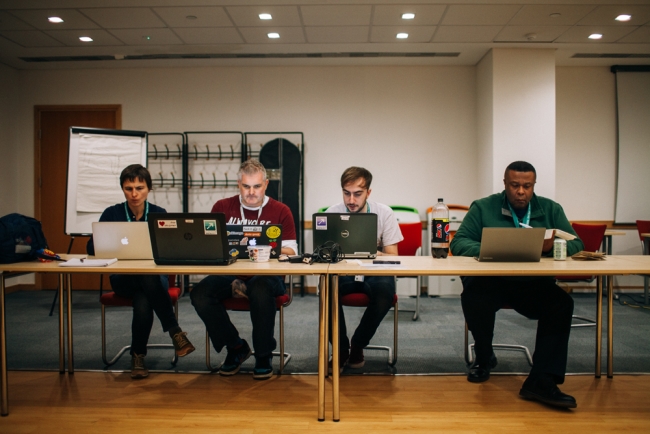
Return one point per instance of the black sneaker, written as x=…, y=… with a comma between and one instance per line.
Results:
x=356, y=359
x=138, y=368
x=544, y=389
x=263, y=368
x=234, y=359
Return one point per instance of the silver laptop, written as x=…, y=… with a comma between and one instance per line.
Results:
x=122, y=240
x=355, y=233
x=511, y=245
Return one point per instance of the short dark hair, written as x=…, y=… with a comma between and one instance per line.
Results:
x=521, y=166
x=133, y=172
x=353, y=173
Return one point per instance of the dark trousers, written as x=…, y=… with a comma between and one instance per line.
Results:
x=207, y=297
x=539, y=299
x=150, y=294
x=381, y=291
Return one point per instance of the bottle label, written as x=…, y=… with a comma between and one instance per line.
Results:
x=440, y=236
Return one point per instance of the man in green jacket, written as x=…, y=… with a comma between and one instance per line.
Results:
x=534, y=297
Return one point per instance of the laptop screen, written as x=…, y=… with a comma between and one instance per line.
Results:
x=189, y=239
x=122, y=240
x=356, y=234
x=511, y=245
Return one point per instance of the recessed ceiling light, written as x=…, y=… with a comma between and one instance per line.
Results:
x=623, y=18
x=273, y=35
x=55, y=19
x=85, y=38
x=191, y=17
x=402, y=35
x=595, y=36
x=265, y=17
x=408, y=16
x=147, y=37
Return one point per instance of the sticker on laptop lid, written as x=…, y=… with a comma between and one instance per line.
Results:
x=345, y=217
x=210, y=227
x=273, y=232
x=167, y=224
x=321, y=223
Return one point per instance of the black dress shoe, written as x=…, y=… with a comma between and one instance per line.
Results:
x=545, y=390
x=480, y=372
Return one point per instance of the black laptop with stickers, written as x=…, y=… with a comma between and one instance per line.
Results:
x=240, y=237
x=189, y=239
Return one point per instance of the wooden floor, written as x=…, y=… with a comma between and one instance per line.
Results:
x=91, y=402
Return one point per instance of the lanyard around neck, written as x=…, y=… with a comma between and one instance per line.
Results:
x=525, y=220
x=259, y=210
x=128, y=214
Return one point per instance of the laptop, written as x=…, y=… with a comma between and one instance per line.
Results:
x=189, y=239
x=122, y=240
x=356, y=234
x=242, y=236
x=511, y=245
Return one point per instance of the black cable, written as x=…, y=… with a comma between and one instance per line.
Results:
x=329, y=252
x=634, y=303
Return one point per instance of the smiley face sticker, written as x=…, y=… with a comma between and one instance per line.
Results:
x=273, y=232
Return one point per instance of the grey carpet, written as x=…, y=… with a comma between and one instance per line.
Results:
x=433, y=344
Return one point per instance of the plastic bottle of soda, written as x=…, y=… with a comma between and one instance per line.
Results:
x=440, y=230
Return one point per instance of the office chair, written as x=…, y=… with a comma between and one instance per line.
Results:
x=112, y=299
x=592, y=238
x=243, y=305
x=362, y=300
x=411, y=245
x=643, y=226
x=469, y=348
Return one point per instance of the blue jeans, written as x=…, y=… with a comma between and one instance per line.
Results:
x=150, y=294
x=207, y=297
x=381, y=291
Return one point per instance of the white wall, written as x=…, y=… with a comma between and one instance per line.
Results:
x=586, y=142
x=8, y=143
x=524, y=114
x=412, y=127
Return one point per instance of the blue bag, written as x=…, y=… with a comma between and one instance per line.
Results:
x=21, y=238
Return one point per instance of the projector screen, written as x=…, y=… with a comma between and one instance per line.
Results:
x=633, y=171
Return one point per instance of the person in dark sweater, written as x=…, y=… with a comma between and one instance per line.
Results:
x=535, y=297
x=149, y=291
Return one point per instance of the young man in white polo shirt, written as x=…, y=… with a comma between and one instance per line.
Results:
x=355, y=183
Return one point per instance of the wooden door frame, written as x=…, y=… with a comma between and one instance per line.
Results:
x=38, y=109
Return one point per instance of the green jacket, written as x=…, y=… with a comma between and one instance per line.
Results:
x=493, y=211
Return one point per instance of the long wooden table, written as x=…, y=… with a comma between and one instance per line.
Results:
x=241, y=267
x=464, y=266
x=422, y=265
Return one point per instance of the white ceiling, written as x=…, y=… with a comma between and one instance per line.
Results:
x=135, y=33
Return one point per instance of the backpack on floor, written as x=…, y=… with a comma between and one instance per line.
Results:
x=21, y=238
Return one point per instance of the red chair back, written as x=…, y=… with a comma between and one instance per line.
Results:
x=112, y=299
x=591, y=235
x=359, y=300
x=643, y=226
x=412, y=233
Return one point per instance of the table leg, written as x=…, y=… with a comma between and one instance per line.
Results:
x=3, y=349
x=335, y=349
x=610, y=328
x=69, y=304
x=322, y=346
x=599, y=324
x=61, y=327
